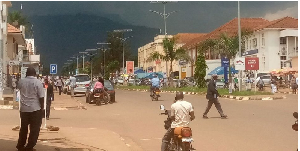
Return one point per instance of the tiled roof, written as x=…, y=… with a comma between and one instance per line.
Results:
x=285, y=22
x=230, y=28
x=195, y=41
x=12, y=29
x=186, y=37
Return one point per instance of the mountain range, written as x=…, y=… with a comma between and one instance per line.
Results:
x=58, y=37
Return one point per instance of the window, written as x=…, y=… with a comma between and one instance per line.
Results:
x=282, y=40
x=254, y=42
x=282, y=57
x=250, y=43
x=247, y=43
x=82, y=78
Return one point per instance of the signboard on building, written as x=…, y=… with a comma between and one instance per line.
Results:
x=129, y=67
x=252, y=63
x=23, y=72
x=182, y=62
x=239, y=63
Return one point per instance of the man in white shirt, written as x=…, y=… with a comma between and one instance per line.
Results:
x=182, y=113
x=31, y=105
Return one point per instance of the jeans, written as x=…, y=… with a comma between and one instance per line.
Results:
x=166, y=139
x=72, y=91
x=217, y=105
x=34, y=120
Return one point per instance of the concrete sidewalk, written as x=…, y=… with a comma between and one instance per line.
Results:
x=69, y=138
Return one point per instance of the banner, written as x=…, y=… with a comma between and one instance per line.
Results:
x=129, y=67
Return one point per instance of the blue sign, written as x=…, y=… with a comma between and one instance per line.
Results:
x=224, y=62
x=53, y=68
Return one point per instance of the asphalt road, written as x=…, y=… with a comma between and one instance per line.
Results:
x=251, y=126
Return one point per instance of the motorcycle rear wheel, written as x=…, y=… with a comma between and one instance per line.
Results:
x=98, y=102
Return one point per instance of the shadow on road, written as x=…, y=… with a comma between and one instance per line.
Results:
x=10, y=145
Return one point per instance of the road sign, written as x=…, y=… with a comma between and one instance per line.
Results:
x=252, y=63
x=239, y=63
x=53, y=68
x=224, y=62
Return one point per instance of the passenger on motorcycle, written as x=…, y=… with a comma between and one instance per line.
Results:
x=99, y=87
x=182, y=113
x=155, y=83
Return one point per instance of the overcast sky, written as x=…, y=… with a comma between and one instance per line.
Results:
x=191, y=16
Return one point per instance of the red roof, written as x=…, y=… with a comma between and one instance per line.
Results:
x=231, y=27
x=186, y=37
x=285, y=22
x=12, y=29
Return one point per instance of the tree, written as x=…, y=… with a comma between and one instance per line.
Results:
x=200, y=70
x=16, y=18
x=171, y=53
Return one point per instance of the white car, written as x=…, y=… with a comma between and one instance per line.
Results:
x=120, y=80
x=82, y=82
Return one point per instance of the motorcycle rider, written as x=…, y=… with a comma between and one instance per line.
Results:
x=99, y=85
x=155, y=83
x=182, y=113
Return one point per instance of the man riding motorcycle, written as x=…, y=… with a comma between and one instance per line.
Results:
x=99, y=87
x=182, y=113
x=155, y=83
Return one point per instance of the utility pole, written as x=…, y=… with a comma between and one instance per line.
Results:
x=1, y=55
x=240, y=46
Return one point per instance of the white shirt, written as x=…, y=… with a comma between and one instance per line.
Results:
x=181, y=110
x=31, y=90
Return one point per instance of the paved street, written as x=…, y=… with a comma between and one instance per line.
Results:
x=134, y=123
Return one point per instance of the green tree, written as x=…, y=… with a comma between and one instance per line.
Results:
x=16, y=18
x=200, y=70
x=171, y=53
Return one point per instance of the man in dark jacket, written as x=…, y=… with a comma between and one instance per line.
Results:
x=212, y=96
x=50, y=95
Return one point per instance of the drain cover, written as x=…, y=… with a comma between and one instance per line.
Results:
x=72, y=149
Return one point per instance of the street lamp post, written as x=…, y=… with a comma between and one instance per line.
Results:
x=83, y=58
x=104, y=50
x=164, y=16
x=103, y=43
x=91, y=55
x=240, y=47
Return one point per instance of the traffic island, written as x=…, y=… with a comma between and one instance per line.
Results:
x=249, y=94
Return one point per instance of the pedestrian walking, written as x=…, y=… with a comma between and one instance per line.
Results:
x=31, y=105
x=212, y=96
x=294, y=85
x=50, y=95
x=59, y=84
x=72, y=85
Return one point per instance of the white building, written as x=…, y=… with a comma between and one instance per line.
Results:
x=274, y=44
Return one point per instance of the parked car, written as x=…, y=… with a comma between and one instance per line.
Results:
x=109, y=87
x=82, y=82
x=266, y=79
x=220, y=84
x=120, y=80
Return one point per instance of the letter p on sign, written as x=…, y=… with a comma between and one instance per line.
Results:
x=53, y=68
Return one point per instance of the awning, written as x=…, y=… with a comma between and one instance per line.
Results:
x=220, y=71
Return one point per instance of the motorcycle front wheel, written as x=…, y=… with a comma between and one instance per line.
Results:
x=98, y=102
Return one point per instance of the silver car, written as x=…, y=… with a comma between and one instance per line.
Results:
x=82, y=82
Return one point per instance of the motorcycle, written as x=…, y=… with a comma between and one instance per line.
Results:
x=182, y=139
x=100, y=97
x=155, y=94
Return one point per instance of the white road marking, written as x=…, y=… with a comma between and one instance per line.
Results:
x=128, y=145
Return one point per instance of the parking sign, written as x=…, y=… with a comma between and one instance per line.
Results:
x=53, y=68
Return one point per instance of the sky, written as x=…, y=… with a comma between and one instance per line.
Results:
x=191, y=16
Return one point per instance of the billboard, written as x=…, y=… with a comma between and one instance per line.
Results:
x=129, y=67
x=252, y=63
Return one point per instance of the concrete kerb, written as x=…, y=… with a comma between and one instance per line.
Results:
x=240, y=98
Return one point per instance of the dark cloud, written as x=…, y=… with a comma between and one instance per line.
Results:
x=191, y=17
